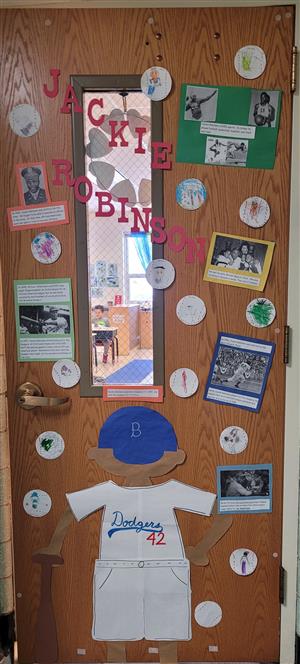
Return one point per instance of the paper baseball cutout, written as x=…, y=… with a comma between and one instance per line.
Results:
x=243, y=562
x=190, y=194
x=46, y=248
x=255, y=212
x=66, y=373
x=37, y=503
x=156, y=83
x=160, y=273
x=208, y=614
x=250, y=61
x=260, y=312
x=24, y=120
x=184, y=382
x=50, y=445
x=191, y=310
x=233, y=440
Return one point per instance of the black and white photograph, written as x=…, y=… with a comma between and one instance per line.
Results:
x=201, y=103
x=44, y=319
x=226, y=151
x=239, y=371
x=32, y=184
x=245, y=488
x=239, y=254
x=263, y=108
x=238, y=261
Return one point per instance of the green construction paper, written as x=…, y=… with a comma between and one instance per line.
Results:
x=41, y=335
x=233, y=106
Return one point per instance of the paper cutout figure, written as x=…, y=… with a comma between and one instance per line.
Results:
x=156, y=83
x=142, y=560
x=191, y=194
x=190, y=310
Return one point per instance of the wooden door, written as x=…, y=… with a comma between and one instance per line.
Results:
x=198, y=46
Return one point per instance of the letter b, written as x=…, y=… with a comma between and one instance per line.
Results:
x=136, y=431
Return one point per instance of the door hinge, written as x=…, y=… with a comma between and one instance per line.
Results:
x=294, y=68
x=286, y=344
x=282, y=584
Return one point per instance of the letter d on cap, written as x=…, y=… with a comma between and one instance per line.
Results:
x=136, y=431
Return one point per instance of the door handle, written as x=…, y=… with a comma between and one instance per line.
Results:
x=30, y=396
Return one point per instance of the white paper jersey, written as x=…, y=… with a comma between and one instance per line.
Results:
x=140, y=522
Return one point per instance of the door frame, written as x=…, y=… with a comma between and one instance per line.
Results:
x=292, y=410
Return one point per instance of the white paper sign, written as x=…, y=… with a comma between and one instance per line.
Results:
x=229, y=130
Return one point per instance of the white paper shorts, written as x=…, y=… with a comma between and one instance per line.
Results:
x=144, y=599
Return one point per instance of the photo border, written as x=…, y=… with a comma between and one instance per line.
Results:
x=255, y=466
x=218, y=280
x=233, y=390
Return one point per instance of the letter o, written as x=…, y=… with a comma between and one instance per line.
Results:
x=175, y=246
x=83, y=198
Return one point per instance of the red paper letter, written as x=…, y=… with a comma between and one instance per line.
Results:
x=195, y=251
x=83, y=198
x=104, y=200
x=160, y=158
x=94, y=121
x=119, y=133
x=158, y=236
x=182, y=242
x=140, y=131
x=138, y=218
x=123, y=219
x=70, y=98
x=63, y=167
x=55, y=73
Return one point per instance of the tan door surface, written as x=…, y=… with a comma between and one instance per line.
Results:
x=114, y=42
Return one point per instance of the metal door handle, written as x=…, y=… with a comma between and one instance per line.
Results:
x=30, y=396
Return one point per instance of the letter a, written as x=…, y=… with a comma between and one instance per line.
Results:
x=70, y=98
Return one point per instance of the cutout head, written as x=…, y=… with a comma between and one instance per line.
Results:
x=137, y=442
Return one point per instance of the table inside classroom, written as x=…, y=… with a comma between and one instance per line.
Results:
x=107, y=334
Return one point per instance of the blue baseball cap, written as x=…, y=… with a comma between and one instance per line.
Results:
x=137, y=435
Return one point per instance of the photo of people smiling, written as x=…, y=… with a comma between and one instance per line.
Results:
x=238, y=261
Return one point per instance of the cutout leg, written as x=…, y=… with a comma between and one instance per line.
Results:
x=168, y=652
x=116, y=651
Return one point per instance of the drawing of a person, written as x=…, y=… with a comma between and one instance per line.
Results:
x=141, y=579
